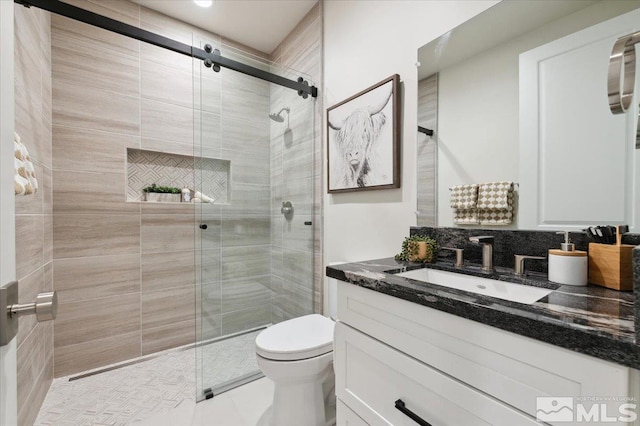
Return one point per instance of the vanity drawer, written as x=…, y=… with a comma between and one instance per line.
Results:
x=371, y=377
x=509, y=367
x=346, y=417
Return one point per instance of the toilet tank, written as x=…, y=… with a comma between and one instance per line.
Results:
x=332, y=294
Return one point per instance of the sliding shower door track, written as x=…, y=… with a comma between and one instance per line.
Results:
x=179, y=349
x=211, y=57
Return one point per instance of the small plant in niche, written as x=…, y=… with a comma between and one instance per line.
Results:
x=161, y=189
x=162, y=194
x=418, y=249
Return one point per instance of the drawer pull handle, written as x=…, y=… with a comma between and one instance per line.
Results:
x=413, y=416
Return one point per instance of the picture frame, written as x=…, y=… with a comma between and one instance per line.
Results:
x=363, y=139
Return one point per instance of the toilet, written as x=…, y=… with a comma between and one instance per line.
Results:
x=297, y=355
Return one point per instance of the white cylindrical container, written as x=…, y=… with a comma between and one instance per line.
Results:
x=568, y=267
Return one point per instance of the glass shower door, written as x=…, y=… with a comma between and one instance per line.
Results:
x=253, y=143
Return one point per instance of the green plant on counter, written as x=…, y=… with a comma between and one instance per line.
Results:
x=411, y=249
x=162, y=189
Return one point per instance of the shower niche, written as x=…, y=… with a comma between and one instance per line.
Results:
x=209, y=177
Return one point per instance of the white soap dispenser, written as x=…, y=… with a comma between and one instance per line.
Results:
x=568, y=265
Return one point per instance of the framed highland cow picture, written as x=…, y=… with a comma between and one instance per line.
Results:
x=363, y=139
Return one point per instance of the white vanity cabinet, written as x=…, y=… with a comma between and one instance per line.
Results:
x=451, y=371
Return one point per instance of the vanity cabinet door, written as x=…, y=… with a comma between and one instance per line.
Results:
x=511, y=368
x=372, y=377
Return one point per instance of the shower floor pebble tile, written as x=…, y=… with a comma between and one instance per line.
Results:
x=150, y=388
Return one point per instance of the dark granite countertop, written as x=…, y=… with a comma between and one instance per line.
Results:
x=591, y=320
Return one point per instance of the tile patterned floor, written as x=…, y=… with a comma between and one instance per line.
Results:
x=141, y=391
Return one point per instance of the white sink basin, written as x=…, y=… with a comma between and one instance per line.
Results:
x=487, y=287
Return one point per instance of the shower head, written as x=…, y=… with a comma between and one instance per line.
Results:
x=277, y=117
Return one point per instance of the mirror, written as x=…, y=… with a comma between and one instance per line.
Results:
x=519, y=93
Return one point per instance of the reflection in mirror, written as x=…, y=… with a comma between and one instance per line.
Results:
x=577, y=175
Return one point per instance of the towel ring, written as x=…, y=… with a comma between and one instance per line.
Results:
x=622, y=63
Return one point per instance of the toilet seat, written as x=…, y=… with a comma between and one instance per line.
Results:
x=296, y=339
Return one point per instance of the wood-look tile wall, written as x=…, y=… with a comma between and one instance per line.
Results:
x=427, y=151
x=125, y=272
x=34, y=212
x=296, y=176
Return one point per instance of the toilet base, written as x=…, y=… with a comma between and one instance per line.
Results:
x=304, y=393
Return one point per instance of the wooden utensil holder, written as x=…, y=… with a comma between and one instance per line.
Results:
x=611, y=266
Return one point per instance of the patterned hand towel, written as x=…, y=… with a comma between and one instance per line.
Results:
x=464, y=196
x=495, y=203
x=25, y=182
x=464, y=200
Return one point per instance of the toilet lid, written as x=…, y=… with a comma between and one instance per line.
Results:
x=296, y=339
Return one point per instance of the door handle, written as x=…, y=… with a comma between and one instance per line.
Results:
x=45, y=308
x=400, y=405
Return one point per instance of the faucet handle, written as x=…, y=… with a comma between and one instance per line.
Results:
x=459, y=255
x=519, y=263
x=482, y=239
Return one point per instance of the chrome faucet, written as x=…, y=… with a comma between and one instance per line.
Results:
x=487, y=251
x=519, y=263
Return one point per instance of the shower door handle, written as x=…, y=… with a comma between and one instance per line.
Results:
x=45, y=308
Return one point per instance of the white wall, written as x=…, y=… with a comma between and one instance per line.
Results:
x=365, y=42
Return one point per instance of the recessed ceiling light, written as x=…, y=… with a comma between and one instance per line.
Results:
x=203, y=3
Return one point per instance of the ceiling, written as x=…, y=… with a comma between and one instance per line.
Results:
x=256, y=23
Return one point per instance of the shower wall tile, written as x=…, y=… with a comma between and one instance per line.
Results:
x=33, y=212
x=208, y=89
x=95, y=235
x=91, y=193
x=169, y=336
x=166, y=26
x=28, y=413
x=28, y=289
x=298, y=267
x=246, y=293
x=92, y=354
x=91, y=150
x=166, y=84
x=244, y=319
x=166, y=270
x=296, y=170
x=165, y=121
x=210, y=238
x=245, y=231
x=158, y=55
x=90, y=108
x=94, y=319
x=29, y=244
x=248, y=200
x=86, y=278
x=162, y=233
x=168, y=147
x=102, y=68
x=243, y=262
x=34, y=355
x=249, y=166
x=89, y=40
x=277, y=262
x=168, y=306
x=207, y=133
x=121, y=10
x=168, y=208
x=211, y=298
x=241, y=134
x=208, y=266
x=298, y=236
